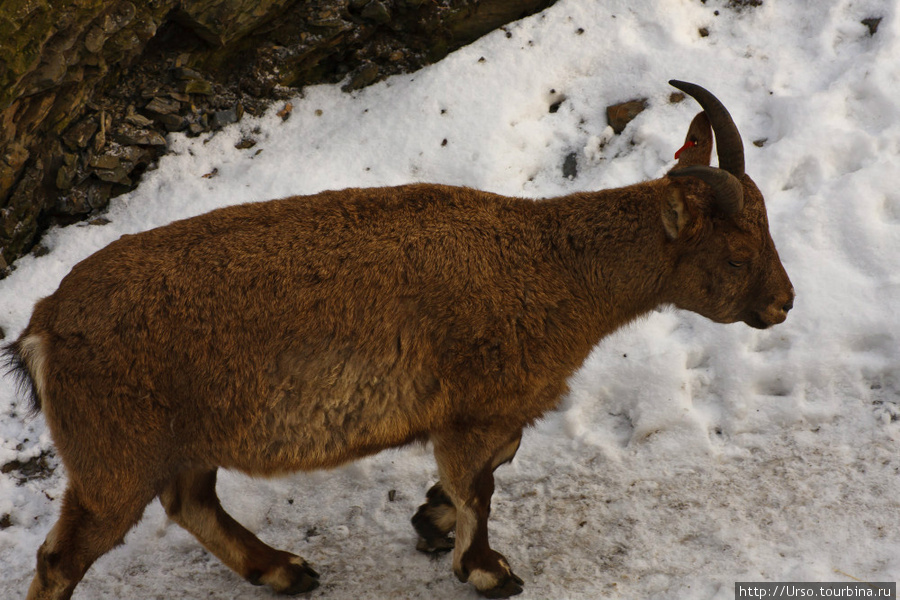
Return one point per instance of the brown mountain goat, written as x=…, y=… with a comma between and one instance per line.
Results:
x=302, y=333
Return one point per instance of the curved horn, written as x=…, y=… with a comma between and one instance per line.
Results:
x=729, y=145
x=728, y=190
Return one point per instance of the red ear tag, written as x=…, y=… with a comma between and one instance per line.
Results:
x=687, y=144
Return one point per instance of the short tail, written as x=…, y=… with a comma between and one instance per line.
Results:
x=15, y=364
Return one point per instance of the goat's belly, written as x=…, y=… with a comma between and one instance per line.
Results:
x=319, y=420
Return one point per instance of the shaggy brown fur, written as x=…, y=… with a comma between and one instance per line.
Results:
x=302, y=333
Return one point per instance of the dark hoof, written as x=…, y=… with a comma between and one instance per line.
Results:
x=304, y=578
x=511, y=587
x=432, y=538
x=438, y=545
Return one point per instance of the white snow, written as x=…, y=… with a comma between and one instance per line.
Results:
x=688, y=455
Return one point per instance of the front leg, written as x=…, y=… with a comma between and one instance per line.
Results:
x=436, y=519
x=466, y=461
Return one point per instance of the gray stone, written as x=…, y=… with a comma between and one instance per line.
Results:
x=221, y=118
x=570, y=166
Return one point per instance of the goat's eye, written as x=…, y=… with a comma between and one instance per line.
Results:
x=736, y=263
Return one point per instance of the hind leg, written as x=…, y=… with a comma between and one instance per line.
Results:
x=437, y=517
x=85, y=531
x=191, y=501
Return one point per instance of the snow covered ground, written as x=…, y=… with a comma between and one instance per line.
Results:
x=688, y=455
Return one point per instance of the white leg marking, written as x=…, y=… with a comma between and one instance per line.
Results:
x=279, y=579
x=466, y=522
x=483, y=580
x=445, y=517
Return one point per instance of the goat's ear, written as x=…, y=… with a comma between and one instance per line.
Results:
x=675, y=213
x=698, y=144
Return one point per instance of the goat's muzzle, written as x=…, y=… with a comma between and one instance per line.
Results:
x=776, y=312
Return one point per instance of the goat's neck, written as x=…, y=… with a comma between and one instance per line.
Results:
x=611, y=245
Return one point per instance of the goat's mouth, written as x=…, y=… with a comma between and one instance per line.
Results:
x=765, y=319
x=756, y=321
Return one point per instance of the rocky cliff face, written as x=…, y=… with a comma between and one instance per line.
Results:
x=89, y=88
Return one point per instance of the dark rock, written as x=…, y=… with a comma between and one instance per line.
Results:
x=95, y=39
x=64, y=177
x=620, y=115
x=133, y=154
x=163, y=106
x=80, y=135
x=377, y=11
x=38, y=467
x=171, y=122
x=363, y=76
x=219, y=22
x=105, y=161
x=118, y=175
x=11, y=165
x=51, y=72
x=73, y=204
x=185, y=74
x=129, y=135
x=100, y=137
x=872, y=23
x=570, y=166
x=98, y=195
x=198, y=86
x=121, y=15
x=66, y=174
x=136, y=119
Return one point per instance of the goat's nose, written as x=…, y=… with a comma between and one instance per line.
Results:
x=788, y=305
